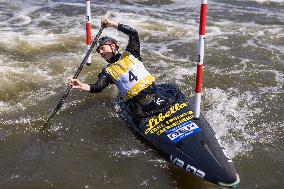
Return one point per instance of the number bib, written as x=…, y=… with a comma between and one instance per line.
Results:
x=129, y=75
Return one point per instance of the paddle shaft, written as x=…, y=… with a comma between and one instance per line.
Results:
x=68, y=88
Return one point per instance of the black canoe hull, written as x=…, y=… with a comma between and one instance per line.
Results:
x=188, y=143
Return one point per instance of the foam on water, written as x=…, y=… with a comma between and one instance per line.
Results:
x=232, y=118
x=278, y=89
x=266, y=37
x=25, y=124
x=20, y=120
x=44, y=44
x=160, y=28
x=159, y=163
x=14, y=77
x=9, y=107
x=280, y=2
x=128, y=153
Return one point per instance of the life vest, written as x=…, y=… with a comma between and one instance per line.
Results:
x=129, y=75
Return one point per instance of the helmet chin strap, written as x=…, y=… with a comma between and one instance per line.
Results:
x=114, y=52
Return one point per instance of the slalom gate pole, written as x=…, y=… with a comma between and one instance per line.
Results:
x=88, y=29
x=200, y=58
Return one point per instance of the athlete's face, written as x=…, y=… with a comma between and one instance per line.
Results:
x=106, y=51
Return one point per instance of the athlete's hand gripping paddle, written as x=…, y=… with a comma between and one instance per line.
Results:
x=68, y=88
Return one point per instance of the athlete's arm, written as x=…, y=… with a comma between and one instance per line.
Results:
x=77, y=84
x=103, y=81
x=133, y=45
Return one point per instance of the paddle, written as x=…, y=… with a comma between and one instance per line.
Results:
x=68, y=88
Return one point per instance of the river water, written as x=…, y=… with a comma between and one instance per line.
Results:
x=42, y=43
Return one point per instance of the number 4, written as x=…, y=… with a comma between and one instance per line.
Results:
x=132, y=77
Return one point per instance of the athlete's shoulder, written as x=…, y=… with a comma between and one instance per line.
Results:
x=105, y=75
x=103, y=71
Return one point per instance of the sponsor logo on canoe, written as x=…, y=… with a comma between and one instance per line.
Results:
x=182, y=130
x=189, y=168
x=163, y=122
